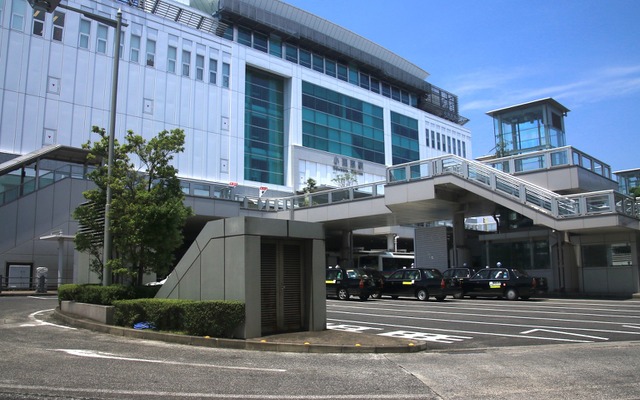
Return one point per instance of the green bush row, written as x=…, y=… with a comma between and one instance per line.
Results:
x=104, y=295
x=214, y=318
x=136, y=304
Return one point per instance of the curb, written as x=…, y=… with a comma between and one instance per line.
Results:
x=234, y=344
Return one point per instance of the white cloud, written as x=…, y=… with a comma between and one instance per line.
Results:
x=490, y=89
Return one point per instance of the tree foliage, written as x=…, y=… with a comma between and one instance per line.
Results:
x=346, y=179
x=147, y=211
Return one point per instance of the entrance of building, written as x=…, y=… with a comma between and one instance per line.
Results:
x=19, y=276
x=281, y=282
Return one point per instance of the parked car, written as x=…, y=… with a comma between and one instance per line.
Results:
x=456, y=276
x=378, y=280
x=346, y=282
x=418, y=282
x=509, y=283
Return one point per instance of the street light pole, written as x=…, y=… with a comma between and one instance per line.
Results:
x=106, y=270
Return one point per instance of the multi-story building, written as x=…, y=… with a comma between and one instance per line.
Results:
x=268, y=96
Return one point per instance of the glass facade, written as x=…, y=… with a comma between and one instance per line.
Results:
x=404, y=139
x=264, y=128
x=341, y=124
x=538, y=127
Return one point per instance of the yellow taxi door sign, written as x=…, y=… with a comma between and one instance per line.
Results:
x=495, y=285
x=408, y=282
x=330, y=281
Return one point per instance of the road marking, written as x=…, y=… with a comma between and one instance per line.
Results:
x=563, y=333
x=472, y=332
x=350, y=328
x=483, y=323
x=428, y=337
x=631, y=326
x=37, y=322
x=27, y=389
x=110, y=356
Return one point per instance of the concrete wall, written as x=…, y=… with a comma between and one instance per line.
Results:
x=224, y=263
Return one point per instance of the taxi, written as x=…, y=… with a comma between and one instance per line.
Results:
x=346, y=282
x=420, y=283
x=509, y=283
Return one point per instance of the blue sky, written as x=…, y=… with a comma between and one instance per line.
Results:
x=496, y=53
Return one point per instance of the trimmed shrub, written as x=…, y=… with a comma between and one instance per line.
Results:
x=96, y=294
x=198, y=318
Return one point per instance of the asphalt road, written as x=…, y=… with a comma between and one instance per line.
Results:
x=39, y=360
x=482, y=323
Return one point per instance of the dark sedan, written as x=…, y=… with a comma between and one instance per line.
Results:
x=418, y=282
x=509, y=283
x=456, y=276
x=346, y=282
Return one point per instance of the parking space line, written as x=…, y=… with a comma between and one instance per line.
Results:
x=502, y=316
x=466, y=332
x=396, y=316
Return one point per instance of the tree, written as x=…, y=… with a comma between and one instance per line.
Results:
x=311, y=186
x=147, y=211
x=346, y=179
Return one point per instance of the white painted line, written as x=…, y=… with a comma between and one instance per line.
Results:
x=26, y=389
x=631, y=326
x=467, y=332
x=396, y=316
x=37, y=322
x=563, y=333
x=350, y=328
x=484, y=315
x=99, y=354
x=427, y=337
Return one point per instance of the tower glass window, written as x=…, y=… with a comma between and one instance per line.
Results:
x=151, y=52
x=404, y=139
x=101, y=39
x=58, y=25
x=341, y=124
x=264, y=128
x=134, y=53
x=186, y=63
x=172, y=54
x=38, y=23
x=85, y=31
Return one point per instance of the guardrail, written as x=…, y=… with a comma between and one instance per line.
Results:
x=321, y=198
x=8, y=284
x=510, y=186
x=27, y=185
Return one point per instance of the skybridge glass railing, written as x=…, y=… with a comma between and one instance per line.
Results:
x=551, y=158
x=320, y=198
x=13, y=185
x=541, y=199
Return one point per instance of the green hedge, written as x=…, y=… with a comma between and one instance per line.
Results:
x=214, y=318
x=103, y=295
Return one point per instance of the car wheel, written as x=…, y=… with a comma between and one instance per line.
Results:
x=376, y=295
x=343, y=294
x=458, y=295
x=511, y=294
x=422, y=295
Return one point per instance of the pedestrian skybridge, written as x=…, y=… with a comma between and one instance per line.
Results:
x=438, y=188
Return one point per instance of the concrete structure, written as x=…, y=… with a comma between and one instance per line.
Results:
x=277, y=269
